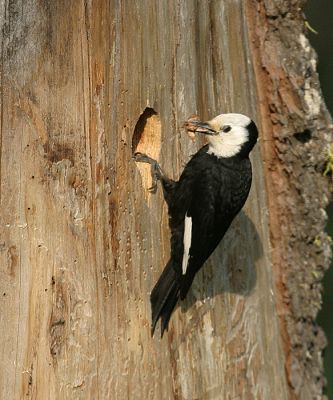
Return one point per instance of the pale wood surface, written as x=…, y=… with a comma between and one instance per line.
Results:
x=81, y=240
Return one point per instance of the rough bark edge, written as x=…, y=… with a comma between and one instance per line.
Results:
x=294, y=117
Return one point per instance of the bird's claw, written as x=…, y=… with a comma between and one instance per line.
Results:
x=141, y=157
x=155, y=169
x=153, y=188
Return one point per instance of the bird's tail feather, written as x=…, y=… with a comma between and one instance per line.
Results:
x=185, y=284
x=164, y=297
x=169, y=307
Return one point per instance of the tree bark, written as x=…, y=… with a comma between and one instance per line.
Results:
x=84, y=85
x=297, y=130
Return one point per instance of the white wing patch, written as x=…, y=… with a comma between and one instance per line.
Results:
x=187, y=242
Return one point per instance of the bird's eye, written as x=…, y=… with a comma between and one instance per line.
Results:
x=226, y=128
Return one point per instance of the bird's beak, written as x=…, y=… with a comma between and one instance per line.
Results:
x=203, y=127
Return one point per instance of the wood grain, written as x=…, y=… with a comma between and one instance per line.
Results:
x=82, y=242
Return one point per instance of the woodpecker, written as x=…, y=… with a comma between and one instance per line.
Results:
x=210, y=192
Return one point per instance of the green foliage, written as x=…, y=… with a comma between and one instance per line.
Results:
x=317, y=241
x=310, y=28
x=329, y=162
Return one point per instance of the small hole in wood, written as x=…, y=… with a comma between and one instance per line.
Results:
x=140, y=127
x=304, y=136
x=147, y=139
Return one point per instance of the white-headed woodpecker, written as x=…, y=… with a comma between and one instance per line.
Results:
x=211, y=191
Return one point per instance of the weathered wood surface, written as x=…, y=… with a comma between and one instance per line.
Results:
x=296, y=133
x=82, y=241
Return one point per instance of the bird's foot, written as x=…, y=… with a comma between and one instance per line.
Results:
x=156, y=171
x=141, y=157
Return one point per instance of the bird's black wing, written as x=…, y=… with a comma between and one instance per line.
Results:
x=178, y=205
x=217, y=196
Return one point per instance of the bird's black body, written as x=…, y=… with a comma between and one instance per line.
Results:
x=228, y=182
x=210, y=193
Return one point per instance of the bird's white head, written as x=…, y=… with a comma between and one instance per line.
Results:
x=229, y=134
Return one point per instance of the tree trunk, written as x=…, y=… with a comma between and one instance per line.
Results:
x=82, y=242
